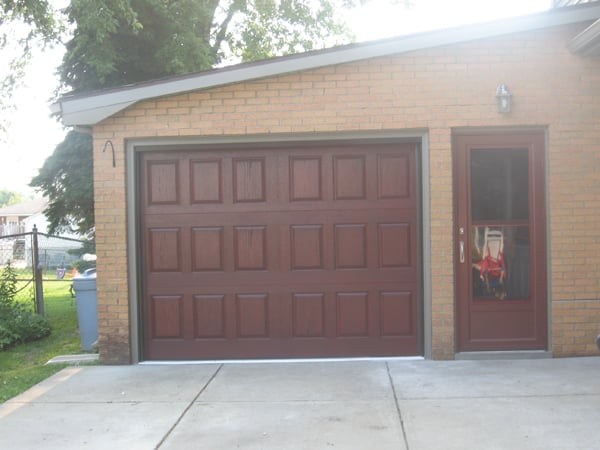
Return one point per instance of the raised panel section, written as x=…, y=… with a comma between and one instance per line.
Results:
x=252, y=315
x=393, y=176
x=352, y=314
x=209, y=316
x=309, y=315
x=163, y=182
x=350, y=179
x=396, y=313
x=206, y=181
x=305, y=179
x=394, y=245
x=350, y=246
x=164, y=250
x=207, y=249
x=167, y=316
x=249, y=180
x=250, y=248
x=306, y=247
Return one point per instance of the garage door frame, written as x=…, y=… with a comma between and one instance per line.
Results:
x=135, y=146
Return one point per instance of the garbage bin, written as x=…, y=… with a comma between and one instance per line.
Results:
x=87, y=308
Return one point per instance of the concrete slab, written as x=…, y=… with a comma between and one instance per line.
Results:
x=524, y=423
x=287, y=425
x=128, y=384
x=344, y=380
x=418, y=405
x=84, y=358
x=71, y=426
x=443, y=379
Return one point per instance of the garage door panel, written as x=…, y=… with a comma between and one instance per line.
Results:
x=308, y=315
x=250, y=247
x=306, y=180
x=306, y=247
x=301, y=252
x=350, y=241
x=252, y=315
x=349, y=177
x=207, y=249
x=163, y=182
x=352, y=314
x=249, y=182
x=394, y=177
x=167, y=316
x=209, y=316
x=165, y=250
x=206, y=181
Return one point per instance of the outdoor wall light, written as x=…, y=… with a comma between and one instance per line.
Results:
x=503, y=99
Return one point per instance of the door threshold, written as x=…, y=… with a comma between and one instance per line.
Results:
x=516, y=354
x=279, y=360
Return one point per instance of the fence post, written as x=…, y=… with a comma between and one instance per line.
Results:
x=37, y=270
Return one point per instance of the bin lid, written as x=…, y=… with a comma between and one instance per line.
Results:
x=87, y=275
x=86, y=281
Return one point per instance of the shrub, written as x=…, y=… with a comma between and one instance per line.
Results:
x=17, y=322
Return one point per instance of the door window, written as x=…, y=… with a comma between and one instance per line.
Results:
x=500, y=231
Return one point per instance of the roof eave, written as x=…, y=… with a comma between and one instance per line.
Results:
x=587, y=43
x=90, y=109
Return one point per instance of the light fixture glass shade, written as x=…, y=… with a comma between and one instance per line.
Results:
x=503, y=99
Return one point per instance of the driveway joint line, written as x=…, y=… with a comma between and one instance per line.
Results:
x=387, y=366
x=185, y=411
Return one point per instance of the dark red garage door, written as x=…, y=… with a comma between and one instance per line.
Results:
x=280, y=252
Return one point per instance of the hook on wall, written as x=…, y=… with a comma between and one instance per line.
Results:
x=112, y=147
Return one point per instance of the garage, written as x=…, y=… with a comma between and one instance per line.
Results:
x=280, y=251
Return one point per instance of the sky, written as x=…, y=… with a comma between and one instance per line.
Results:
x=32, y=134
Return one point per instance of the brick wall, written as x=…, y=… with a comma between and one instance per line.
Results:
x=436, y=89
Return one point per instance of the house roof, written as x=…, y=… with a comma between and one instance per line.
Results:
x=91, y=108
x=25, y=209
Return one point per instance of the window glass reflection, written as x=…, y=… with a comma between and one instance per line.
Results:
x=501, y=263
x=499, y=185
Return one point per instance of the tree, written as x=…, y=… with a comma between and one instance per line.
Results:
x=117, y=42
x=125, y=41
x=24, y=25
x=66, y=179
x=8, y=198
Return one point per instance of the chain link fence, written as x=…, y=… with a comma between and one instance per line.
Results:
x=39, y=258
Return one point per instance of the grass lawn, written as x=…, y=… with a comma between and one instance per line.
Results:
x=22, y=366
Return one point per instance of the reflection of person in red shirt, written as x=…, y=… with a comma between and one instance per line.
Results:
x=492, y=268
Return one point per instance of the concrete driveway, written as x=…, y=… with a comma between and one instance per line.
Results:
x=377, y=404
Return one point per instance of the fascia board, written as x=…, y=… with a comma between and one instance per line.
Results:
x=89, y=110
x=588, y=41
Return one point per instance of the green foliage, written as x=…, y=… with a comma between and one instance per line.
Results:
x=118, y=42
x=17, y=322
x=66, y=178
x=8, y=198
x=24, y=25
x=281, y=27
x=81, y=265
x=24, y=365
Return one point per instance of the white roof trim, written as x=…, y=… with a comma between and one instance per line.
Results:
x=587, y=42
x=90, y=109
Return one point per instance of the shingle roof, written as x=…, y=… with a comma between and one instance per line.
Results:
x=28, y=208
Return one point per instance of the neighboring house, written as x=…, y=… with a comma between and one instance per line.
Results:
x=20, y=218
x=435, y=194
